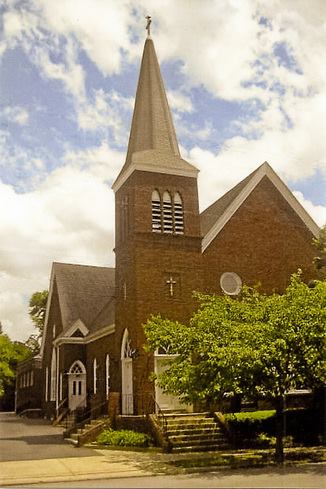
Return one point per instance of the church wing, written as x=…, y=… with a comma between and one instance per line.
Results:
x=215, y=217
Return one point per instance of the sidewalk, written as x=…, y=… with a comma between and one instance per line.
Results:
x=69, y=469
x=112, y=463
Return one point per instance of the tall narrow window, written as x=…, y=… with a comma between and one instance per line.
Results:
x=156, y=212
x=107, y=375
x=94, y=376
x=167, y=213
x=124, y=222
x=178, y=214
x=53, y=376
x=46, y=383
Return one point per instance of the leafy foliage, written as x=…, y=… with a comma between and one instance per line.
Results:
x=257, y=345
x=320, y=260
x=123, y=438
x=37, y=309
x=11, y=352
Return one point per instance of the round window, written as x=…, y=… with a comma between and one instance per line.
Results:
x=230, y=283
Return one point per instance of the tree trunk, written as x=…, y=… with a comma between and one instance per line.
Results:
x=280, y=430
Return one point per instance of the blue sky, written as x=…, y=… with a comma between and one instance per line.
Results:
x=245, y=82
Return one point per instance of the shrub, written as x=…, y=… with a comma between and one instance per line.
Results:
x=302, y=426
x=245, y=427
x=123, y=438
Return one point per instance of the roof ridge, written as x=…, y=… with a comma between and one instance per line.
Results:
x=82, y=265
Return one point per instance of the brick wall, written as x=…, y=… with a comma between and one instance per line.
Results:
x=265, y=241
x=146, y=260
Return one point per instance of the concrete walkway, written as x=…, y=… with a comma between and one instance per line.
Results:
x=100, y=466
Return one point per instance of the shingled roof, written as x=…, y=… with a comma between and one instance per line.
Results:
x=83, y=291
x=153, y=144
x=210, y=215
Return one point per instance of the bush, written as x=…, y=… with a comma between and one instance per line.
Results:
x=245, y=427
x=123, y=438
x=302, y=426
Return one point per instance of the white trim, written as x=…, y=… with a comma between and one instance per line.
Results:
x=264, y=170
x=61, y=386
x=95, y=376
x=107, y=330
x=53, y=381
x=80, y=364
x=46, y=384
x=47, y=312
x=152, y=169
x=107, y=375
x=74, y=327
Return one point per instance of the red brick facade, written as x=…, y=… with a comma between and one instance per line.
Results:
x=264, y=242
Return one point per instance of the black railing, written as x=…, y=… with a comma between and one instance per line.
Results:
x=78, y=417
x=160, y=416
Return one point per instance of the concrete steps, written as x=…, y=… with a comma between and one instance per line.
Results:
x=88, y=432
x=193, y=432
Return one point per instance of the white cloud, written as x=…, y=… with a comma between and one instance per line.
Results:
x=108, y=110
x=59, y=221
x=16, y=114
x=179, y=102
x=317, y=212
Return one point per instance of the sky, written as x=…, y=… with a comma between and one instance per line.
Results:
x=246, y=83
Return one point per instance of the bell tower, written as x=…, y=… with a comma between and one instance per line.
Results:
x=158, y=237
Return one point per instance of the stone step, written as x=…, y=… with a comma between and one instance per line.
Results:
x=190, y=426
x=194, y=431
x=196, y=419
x=197, y=436
x=198, y=441
x=186, y=415
x=199, y=448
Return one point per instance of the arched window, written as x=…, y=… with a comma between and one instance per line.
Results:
x=156, y=212
x=107, y=375
x=53, y=376
x=126, y=351
x=178, y=214
x=167, y=213
x=94, y=376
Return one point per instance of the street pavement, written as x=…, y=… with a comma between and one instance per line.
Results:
x=268, y=478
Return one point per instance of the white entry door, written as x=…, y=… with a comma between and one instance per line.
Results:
x=127, y=388
x=167, y=402
x=77, y=386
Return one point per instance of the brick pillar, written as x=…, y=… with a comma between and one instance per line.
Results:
x=114, y=405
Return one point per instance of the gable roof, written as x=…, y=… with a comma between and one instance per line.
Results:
x=83, y=292
x=153, y=144
x=215, y=217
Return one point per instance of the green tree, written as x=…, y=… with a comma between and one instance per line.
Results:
x=11, y=352
x=320, y=259
x=37, y=309
x=256, y=345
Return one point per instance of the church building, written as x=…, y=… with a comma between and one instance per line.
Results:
x=92, y=348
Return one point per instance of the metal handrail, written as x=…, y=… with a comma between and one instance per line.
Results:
x=86, y=416
x=160, y=416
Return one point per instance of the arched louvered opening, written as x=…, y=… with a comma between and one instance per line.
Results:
x=167, y=213
x=156, y=212
x=178, y=214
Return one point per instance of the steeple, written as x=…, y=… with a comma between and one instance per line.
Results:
x=153, y=145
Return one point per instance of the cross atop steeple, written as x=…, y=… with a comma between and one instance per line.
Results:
x=148, y=25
